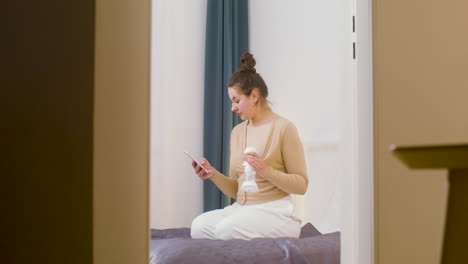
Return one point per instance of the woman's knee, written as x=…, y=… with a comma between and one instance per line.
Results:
x=228, y=230
x=253, y=224
x=197, y=228
x=203, y=227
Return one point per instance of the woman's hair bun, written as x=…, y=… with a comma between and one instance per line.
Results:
x=247, y=63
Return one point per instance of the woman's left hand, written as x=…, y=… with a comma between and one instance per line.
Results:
x=259, y=164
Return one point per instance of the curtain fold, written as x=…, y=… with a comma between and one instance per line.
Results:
x=226, y=39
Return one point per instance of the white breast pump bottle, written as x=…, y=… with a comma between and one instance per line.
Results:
x=249, y=184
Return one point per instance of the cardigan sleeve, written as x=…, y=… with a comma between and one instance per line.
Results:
x=294, y=180
x=228, y=185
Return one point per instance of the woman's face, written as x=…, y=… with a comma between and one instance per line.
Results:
x=242, y=105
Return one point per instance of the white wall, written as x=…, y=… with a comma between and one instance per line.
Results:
x=302, y=52
x=178, y=49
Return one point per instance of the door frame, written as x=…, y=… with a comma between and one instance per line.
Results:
x=358, y=235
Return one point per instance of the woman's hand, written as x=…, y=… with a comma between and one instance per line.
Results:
x=259, y=164
x=203, y=174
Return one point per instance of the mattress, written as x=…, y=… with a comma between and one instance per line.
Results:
x=174, y=246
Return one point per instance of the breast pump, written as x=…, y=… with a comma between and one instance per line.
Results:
x=249, y=184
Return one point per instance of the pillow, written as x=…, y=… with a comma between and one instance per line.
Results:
x=309, y=230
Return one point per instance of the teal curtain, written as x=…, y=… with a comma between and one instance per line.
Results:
x=226, y=40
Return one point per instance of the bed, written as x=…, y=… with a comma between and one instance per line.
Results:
x=174, y=246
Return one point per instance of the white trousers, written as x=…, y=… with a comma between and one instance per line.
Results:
x=272, y=219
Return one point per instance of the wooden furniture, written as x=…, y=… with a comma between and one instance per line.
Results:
x=455, y=159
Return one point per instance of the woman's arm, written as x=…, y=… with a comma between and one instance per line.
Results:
x=294, y=180
x=225, y=184
x=228, y=185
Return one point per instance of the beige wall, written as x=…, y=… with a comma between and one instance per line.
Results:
x=121, y=132
x=74, y=108
x=421, y=97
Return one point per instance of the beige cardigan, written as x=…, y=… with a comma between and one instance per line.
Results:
x=282, y=150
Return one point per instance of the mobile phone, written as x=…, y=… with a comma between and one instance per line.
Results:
x=190, y=156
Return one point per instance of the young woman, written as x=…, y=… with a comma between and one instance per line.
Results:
x=279, y=165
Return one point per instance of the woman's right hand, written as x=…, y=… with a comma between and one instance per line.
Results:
x=203, y=174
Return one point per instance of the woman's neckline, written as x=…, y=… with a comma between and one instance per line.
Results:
x=270, y=122
x=267, y=122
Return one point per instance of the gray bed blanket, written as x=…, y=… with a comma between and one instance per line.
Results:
x=174, y=246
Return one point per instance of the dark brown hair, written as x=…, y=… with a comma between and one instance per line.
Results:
x=247, y=78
